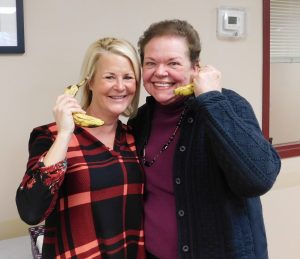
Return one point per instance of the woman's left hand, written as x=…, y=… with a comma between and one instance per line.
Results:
x=207, y=79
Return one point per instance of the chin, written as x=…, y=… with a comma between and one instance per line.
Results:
x=118, y=110
x=163, y=98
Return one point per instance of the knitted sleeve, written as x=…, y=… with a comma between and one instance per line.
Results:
x=249, y=162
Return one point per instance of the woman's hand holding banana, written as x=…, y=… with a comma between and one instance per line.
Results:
x=63, y=112
x=82, y=119
x=205, y=80
x=208, y=79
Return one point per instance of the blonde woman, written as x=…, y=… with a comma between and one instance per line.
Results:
x=87, y=183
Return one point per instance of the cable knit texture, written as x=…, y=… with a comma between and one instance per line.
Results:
x=224, y=164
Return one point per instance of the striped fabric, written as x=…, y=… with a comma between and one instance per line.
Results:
x=91, y=203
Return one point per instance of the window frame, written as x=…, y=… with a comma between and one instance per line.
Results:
x=285, y=150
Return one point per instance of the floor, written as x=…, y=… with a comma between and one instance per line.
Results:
x=16, y=248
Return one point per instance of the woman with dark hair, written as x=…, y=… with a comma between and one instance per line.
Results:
x=206, y=160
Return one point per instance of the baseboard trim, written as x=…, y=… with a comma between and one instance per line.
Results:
x=13, y=228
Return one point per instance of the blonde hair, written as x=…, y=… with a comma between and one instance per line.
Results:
x=93, y=54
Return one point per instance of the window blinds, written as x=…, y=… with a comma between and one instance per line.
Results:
x=285, y=31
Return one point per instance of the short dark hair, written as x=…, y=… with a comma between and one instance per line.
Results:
x=174, y=27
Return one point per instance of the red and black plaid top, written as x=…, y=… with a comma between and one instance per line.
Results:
x=91, y=202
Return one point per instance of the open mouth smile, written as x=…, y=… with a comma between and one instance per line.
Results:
x=163, y=84
x=118, y=97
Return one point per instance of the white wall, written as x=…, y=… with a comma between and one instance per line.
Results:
x=57, y=33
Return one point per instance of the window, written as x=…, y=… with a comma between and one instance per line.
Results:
x=285, y=31
x=270, y=87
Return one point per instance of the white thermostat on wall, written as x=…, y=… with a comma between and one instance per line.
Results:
x=231, y=23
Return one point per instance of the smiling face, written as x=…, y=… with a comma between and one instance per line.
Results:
x=113, y=86
x=166, y=66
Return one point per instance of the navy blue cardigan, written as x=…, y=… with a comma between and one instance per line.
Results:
x=222, y=165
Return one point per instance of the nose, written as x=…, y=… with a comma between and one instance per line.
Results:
x=119, y=85
x=161, y=71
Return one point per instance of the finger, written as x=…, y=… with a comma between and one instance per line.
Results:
x=70, y=108
x=64, y=99
x=78, y=109
x=67, y=106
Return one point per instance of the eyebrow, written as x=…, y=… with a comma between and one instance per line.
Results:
x=172, y=58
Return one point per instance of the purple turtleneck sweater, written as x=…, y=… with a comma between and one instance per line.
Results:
x=160, y=212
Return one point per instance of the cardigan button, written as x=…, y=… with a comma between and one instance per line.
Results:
x=182, y=148
x=190, y=120
x=181, y=213
x=185, y=248
x=178, y=180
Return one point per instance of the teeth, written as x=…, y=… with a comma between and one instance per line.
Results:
x=117, y=97
x=163, y=84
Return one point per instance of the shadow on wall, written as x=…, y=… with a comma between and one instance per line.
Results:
x=13, y=228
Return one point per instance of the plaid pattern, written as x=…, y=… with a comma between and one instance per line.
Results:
x=91, y=203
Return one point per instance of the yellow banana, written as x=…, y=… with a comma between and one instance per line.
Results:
x=184, y=90
x=85, y=120
x=81, y=119
x=73, y=89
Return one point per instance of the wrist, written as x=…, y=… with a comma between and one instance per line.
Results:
x=64, y=133
x=64, y=136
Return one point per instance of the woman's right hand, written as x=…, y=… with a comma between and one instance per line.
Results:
x=207, y=79
x=64, y=107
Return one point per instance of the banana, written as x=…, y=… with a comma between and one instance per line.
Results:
x=81, y=119
x=85, y=120
x=184, y=90
x=72, y=90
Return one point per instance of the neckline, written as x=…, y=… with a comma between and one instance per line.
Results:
x=117, y=140
x=149, y=163
x=175, y=107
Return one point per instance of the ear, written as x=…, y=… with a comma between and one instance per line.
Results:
x=91, y=84
x=196, y=67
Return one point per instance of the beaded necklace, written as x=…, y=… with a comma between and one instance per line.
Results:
x=165, y=146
